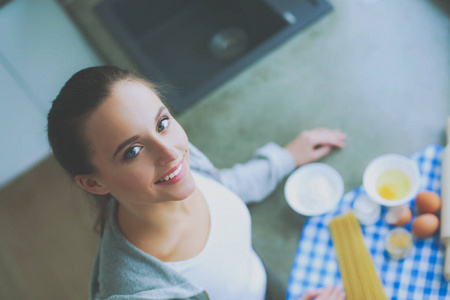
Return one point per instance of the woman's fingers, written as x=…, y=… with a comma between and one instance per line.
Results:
x=320, y=152
x=328, y=293
x=310, y=295
x=313, y=144
x=331, y=293
x=324, y=136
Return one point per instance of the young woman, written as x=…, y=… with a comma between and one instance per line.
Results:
x=172, y=225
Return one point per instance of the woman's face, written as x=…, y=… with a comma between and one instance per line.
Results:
x=140, y=152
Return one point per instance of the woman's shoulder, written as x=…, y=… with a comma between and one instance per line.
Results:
x=200, y=163
x=122, y=269
x=197, y=158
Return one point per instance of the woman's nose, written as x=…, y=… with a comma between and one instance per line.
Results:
x=166, y=153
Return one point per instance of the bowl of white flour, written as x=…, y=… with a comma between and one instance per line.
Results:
x=314, y=189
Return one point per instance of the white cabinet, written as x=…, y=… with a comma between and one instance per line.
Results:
x=22, y=129
x=40, y=48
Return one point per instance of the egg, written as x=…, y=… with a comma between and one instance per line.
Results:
x=399, y=216
x=425, y=225
x=428, y=202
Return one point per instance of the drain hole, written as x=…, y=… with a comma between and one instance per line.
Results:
x=229, y=43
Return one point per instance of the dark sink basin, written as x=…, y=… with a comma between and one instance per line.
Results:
x=190, y=47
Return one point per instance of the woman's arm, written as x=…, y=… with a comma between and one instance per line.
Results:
x=257, y=178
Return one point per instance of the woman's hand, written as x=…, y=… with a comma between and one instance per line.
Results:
x=328, y=293
x=311, y=145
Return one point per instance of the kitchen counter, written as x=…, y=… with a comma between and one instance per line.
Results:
x=378, y=70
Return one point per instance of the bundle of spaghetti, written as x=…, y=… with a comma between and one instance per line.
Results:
x=358, y=273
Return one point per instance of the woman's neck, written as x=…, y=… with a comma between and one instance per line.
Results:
x=174, y=231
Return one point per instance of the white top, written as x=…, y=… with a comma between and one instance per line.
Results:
x=227, y=267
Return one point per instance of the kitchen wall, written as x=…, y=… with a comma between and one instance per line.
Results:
x=40, y=48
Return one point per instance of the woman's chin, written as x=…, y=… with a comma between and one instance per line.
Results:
x=186, y=187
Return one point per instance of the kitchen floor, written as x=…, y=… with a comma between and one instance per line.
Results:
x=378, y=70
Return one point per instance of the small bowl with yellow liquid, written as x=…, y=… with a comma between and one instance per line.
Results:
x=392, y=180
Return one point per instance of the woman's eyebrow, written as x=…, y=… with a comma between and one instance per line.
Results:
x=160, y=110
x=136, y=137
x=125, y=143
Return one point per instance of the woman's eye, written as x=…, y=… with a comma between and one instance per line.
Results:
x=132, y=152
x=163, y=124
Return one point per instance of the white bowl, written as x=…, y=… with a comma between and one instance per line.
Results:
x=391, y=162
x=314, y=189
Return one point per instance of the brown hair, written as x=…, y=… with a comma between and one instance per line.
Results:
x=78, y=98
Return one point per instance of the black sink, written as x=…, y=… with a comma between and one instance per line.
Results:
x=190, y=47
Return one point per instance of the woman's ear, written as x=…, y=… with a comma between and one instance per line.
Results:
x=91, y=184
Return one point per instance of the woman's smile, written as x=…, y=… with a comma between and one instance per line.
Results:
x=174, y=175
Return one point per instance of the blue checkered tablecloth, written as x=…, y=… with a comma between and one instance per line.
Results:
x=419, y=276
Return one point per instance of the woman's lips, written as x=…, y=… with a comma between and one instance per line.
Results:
x=174, y=175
